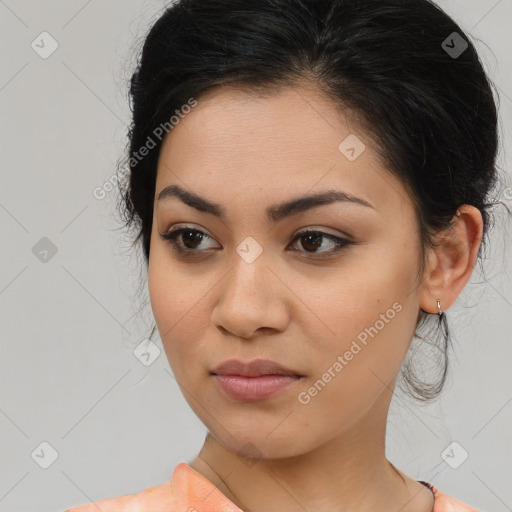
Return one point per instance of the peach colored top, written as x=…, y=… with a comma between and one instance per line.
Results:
x=189, y=491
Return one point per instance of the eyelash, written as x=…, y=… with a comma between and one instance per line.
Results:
x=171, y=237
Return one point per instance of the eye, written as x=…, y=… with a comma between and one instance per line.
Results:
x=312, y=240
x=192, y=238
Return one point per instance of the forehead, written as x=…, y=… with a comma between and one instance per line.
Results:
x=291, y=141
x=280, y=118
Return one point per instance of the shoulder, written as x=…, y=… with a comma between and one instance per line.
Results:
x=447, y=503
x=158, y=496
x=186, y=491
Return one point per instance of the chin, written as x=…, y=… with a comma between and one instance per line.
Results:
x=255, y=444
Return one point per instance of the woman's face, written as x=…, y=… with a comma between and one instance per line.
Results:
x=340, y=316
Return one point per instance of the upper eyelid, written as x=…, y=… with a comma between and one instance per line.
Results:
x=343, y=236
x=315, y=228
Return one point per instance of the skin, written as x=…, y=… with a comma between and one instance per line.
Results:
x=246, y=153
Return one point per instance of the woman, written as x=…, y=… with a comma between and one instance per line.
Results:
x=309, y=181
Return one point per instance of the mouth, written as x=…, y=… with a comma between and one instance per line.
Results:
x=255, y=368
x=256, y=380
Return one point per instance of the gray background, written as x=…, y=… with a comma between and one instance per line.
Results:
x=69, y=325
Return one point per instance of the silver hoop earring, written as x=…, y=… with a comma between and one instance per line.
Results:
x=440, y=312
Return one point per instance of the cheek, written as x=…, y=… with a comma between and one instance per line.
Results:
x=371, y=314
x=167, y=303
x=170, y=289
x=179, y=307
x=160, y=288
x=354, y=372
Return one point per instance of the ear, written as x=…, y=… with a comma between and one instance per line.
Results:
x=451, y=263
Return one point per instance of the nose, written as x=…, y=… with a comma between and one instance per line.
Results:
x=252, y=300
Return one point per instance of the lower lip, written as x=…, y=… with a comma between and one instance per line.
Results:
x=255, y=388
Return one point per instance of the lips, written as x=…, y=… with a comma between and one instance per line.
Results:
x=255, y=380
x=255, y=368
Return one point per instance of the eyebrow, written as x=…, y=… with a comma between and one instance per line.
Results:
x=275, y=213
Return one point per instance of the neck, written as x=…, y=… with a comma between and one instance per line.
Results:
x=347, y=473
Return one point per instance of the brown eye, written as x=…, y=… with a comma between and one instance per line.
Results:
x=313, y=240
x=185, y=242
x=192, y=237
x=190, y=240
